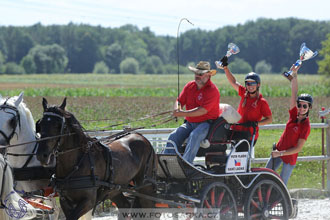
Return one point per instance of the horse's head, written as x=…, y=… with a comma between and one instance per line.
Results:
x=10, y=118
x=52, y=124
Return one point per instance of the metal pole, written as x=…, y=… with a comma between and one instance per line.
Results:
x=323, y=151
x=328, y=154
x=178, y=59
x=177, y=50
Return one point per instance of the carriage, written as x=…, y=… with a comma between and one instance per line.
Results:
x=258, y=192
x=225, y=186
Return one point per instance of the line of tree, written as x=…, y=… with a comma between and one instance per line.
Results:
x=266, y=46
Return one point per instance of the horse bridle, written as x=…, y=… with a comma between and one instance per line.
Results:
x=17, y=119
x=57, y=144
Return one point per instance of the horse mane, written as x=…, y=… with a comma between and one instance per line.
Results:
x=22, y=110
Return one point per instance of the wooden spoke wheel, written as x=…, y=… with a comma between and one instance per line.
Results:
x=218, y=202
x=266, y=200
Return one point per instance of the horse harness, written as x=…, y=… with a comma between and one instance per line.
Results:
x=13, y=121
x=91, y=181
x=24, y=173
x=63, y=185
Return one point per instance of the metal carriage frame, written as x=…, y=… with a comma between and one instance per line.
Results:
x=258, y=193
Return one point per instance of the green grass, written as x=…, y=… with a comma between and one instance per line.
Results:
x=85, y=92
x=124, y=98
x=110, y=85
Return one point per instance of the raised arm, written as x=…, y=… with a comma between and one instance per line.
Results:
x=294, y=86
x=229, y=75
x=231, y=78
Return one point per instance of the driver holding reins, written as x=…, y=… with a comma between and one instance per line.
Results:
x=201, y=100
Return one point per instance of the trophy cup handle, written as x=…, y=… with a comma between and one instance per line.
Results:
x=218, y=64
x=288, y=74
x=232, y=49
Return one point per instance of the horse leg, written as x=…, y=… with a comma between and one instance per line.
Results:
x=74, y=212
x=122, y=203
x=87, y=216
x=144, y=205
x=52, y=203
x=141, y=204
x=140, y=182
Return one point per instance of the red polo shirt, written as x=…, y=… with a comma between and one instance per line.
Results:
x=252, y=111
x=292, y=133
x=207, y=97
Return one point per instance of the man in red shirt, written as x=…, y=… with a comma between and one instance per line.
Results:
x=296, y=131
x=201, y=100
x=253, y=108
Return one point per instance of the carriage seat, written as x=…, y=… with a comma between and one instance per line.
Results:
x=220, y=137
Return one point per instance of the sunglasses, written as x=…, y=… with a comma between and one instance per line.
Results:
x=250, y=83
x=304, y=106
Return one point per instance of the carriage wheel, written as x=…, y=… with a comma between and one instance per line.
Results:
x=266, y=200
x=218, y=201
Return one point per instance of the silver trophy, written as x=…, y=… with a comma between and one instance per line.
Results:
x=305, y=54
x=232, y=49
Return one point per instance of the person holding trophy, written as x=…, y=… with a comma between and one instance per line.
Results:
x=253, y=108
x=296, y=131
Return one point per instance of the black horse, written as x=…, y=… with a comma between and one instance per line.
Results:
x=87, y=171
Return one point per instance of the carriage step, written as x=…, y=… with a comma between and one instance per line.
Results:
x=188, y=198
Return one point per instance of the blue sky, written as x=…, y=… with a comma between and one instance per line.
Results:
x=162, y=17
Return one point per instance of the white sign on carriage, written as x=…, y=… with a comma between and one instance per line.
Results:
x=237, y=162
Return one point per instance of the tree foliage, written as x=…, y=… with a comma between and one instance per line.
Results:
x=240, y=66
x=154, y=65
x=113, y=56
x=129, y=65
x=28, y=64
x=2, y=62
x=47, y=59
x=276, y=42
x=324, y=64
x=13, y=68
x=101, y=67
x=263, y=67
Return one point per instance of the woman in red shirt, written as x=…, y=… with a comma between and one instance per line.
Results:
x=253, y=108
x=296, y=131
